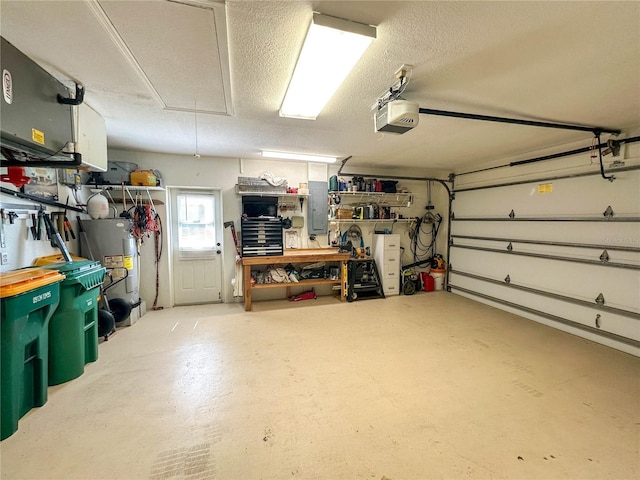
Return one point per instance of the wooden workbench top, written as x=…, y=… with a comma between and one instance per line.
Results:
x=299, y=255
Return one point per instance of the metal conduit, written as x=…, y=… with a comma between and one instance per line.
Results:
x=556, y=296
x=551, y=243
x=547, y=179
x=599, y=263
x=564, y=321
x=548, y=219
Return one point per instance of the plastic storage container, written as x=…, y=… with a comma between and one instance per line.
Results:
x=438, y=278
x=28, y=299
x=143, y=178
x=428, y=283
x=73, y=328
x=49, y=259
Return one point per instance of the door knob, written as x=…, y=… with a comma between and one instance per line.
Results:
x=218, y=252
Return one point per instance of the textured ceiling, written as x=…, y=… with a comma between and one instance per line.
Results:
x=146, y=64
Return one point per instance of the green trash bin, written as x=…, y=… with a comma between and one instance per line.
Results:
x=73, y=328
x=28, y=299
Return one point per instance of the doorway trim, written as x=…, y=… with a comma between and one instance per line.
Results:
x=170, y=250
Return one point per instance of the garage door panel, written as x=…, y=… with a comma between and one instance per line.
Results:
x=587, y=316
x=560, y=254
x=580, y=282
x=593, y=336
x=554, y=198
x=606, y=234
x=598, y=255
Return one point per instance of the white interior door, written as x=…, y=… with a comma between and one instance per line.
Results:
x=196, y=240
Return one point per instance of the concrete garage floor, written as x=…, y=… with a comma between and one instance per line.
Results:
x=428, y=386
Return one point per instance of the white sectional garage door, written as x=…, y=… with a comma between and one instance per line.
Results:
x=564, y=251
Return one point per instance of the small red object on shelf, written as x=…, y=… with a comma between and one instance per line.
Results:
x=310, y=295
x=16, y=176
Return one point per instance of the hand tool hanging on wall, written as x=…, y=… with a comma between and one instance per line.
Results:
x=47, y=226
x=3, y=242
x=56, y=239
x=69, y=228
x=67, y=223
x=39, y=228
x=34, y=223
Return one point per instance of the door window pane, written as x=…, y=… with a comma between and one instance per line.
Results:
x=196, y=226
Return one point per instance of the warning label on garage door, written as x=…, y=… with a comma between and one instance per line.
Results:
x=545, y=188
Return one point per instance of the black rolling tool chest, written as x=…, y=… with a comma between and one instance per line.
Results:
x=261, y=236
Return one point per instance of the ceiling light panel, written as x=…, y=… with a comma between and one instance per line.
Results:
x=298, y=156
x=331, y=49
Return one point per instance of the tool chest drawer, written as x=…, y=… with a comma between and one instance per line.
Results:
x=261, y=236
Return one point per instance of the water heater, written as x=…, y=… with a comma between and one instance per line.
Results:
x=110, y=242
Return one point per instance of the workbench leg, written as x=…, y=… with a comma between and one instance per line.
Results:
x=247, y=287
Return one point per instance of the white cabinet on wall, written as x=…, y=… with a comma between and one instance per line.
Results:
x=386, y=252
x=92, y=139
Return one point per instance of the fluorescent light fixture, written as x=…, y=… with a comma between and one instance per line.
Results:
x=298, y=156
x=331, y=49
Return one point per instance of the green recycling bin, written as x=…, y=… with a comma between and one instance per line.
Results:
x=73, y=328
x=28, y=299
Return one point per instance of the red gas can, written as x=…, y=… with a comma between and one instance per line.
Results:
x=428, y=284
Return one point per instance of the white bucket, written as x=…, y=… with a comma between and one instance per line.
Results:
x=98, y=206
x=438, y=279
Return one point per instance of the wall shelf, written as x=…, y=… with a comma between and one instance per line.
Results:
x=131, y=188
x=115, y=192
x=270, y=194
x=350, y=201
x=371, y=220
x=400, y=199
x=300, y=283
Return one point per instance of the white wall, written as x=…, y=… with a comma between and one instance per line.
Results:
x=213, y=172
x=418, y=188
x=20, y=248
x=222, y=173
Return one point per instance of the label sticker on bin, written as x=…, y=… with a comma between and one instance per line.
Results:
x=41, y=297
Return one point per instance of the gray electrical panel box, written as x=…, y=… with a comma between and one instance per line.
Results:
x=318, y=222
